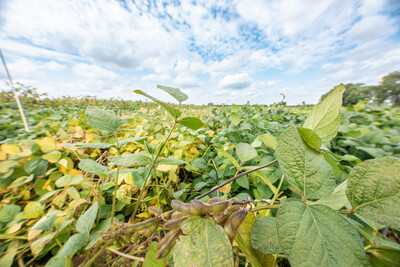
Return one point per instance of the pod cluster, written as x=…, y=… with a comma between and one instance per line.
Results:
x=228, y=213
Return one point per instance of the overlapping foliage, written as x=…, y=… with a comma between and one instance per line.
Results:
x=82, y=168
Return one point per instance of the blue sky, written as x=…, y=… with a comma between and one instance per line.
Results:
x=215, y=51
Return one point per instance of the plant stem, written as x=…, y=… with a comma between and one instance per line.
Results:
x=276, y=194
x=153, y=163
x=115, y=187
x=266, y=207
x=126, y=255
x=235, y=177
x=91, y=261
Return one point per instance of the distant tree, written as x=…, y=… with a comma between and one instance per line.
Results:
x=353, y=93
x=389, y=89
x=210, y=104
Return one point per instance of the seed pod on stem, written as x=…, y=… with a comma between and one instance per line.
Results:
x=156, y=211
x=232, y=226
x=221, y=218
x=167, y=245
x=172, y=224
x=129, y=228
x=200, y=208
x=182, y=207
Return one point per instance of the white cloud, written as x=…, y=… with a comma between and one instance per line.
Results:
x=94, y=72
x=100, y=46
x=187, y=81
x=236, y=81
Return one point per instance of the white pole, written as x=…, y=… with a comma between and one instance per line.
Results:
x=21, y=110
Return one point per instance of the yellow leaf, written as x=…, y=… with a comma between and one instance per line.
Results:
x=143, y=215
x=46, y=144
x=225, y=189
x=74, y=172
x=10, y=149
x=162, y=201
x=193, y=150
x=3, y=155
x=73, y=123
x=231, y=147
x=164, y=168
x=78, y=132
x=24, y=153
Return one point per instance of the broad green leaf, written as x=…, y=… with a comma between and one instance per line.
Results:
x=256, y=258
x=8, y=212
x=32, y=210
x=318, y=236
x=374, y=190
x=36, y=166
x=243, y=182
x=133, y=139
x=89, y=145
x=101, y=227
x=150, y=259
x=130, y=160
x=102, y=119
x=8, y=259
x=38, y=245
x=203, y=243
x=235, y=118
x=269, y=140
x=86, y=220
x=46, y=224
x=91, y=166
x=191, y=122
x=21, y=181
x=305, y=169
x=69, y=180
x=73, y=244
x=311, y=138
x=59, y=262
x=264, y=236
x=337, y=199
x=171, y=161
x=230, y=157
x=332, y=162
x=173, y=111
x=245, y=152
x=174, y=92
x=324, y=118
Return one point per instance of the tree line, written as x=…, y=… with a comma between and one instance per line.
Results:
x=388, y=90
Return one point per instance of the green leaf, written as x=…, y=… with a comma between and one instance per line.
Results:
x=36, y=166
x=173, y=111
x=89, y=145
x=69, y=180
x=305, y=169
x=374, y=190
x=256, y=258
x=318, y=236
x=191, y=122
x=311, y=138
x=171, y=161
x=101, y=227
x=8, y=213
x=38, y=245
x=73, y=244
x=102, y=119
x=269, y=140
x=59, y=262
x=243, y=182
x=86, y=220
x=133, y=139
x=47, y=223
x=264, y=236
x=337, y=199
x=130, y=160
x=324, y=118
x=91, y=166
x=203, y=243
x=174, y=92
x=235, y=119
x=150, y=259
x=245, y=152
x=230, y=157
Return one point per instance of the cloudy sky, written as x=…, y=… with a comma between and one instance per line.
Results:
x=216, y=51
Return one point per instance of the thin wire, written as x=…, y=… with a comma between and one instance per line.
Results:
x=21, y=110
